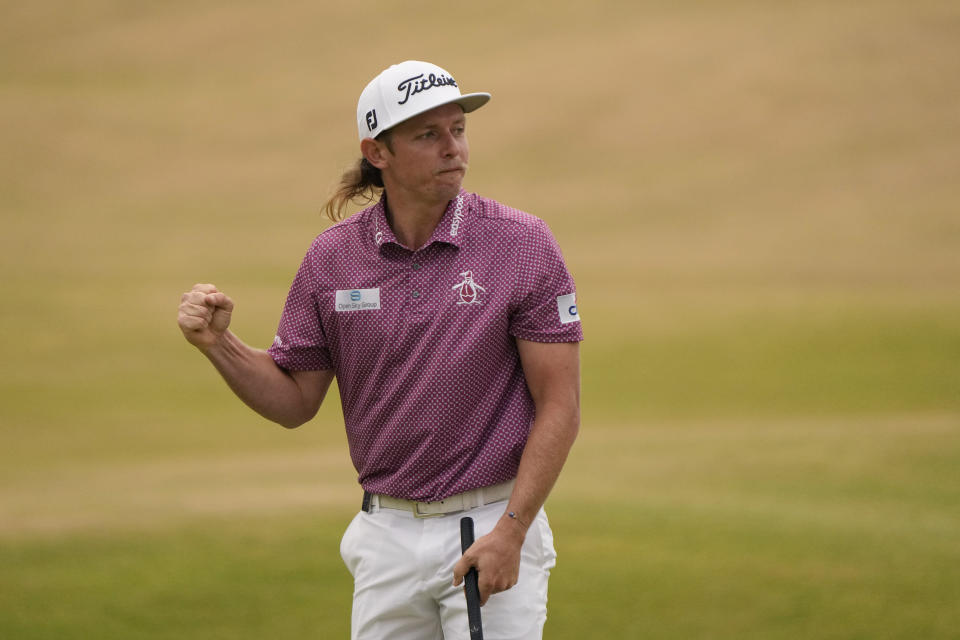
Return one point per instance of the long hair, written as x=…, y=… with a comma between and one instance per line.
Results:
x=361, y=183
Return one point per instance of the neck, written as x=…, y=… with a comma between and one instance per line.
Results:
x=413, y=222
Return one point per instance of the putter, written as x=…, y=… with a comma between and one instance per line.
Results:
x=471, y=587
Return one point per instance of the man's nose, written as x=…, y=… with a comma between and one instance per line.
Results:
x=450, y=147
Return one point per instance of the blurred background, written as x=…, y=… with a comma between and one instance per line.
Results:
x=758, y=200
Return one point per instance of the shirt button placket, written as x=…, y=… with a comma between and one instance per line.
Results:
x=416, y=285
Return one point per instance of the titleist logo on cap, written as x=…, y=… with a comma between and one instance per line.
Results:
x=416, y=84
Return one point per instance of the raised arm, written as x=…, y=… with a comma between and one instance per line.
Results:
x=289, y=398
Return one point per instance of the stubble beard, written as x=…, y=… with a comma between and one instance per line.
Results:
x=449, y=191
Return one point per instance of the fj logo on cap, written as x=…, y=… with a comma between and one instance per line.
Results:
x=372, y=119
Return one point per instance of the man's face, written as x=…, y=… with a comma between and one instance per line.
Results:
x=429, y=156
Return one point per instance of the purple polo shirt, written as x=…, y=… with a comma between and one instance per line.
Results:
x=422, y=342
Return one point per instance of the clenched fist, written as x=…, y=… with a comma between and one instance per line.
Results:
x=204, y=315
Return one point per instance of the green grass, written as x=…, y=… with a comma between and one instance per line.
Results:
x=724, y=573
x=814, y=359
x=764, y=529
x=227, y=579
x=744, y=529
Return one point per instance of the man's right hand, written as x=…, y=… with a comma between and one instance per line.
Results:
x=204, y=315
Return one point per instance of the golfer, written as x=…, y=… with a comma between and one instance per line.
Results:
x=450, y=323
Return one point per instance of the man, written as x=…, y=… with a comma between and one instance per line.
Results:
x=450, y=323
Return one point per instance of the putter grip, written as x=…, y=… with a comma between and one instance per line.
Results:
x=471, y=587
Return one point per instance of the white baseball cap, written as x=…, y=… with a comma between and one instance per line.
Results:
x=405, y=90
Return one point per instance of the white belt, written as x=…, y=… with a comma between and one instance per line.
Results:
x=452, y=504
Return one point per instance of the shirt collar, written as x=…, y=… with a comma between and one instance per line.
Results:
x=452, y=225
x=380, y=230
x=450, y=229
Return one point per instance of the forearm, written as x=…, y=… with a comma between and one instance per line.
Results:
x=551, y=438
x=553, y=377
x=259, y=381
x=497, y=554
x=552, y=372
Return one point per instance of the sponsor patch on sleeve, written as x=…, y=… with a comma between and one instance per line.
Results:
x=567, y=307
x=357, y=299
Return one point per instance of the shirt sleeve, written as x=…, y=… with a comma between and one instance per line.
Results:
x=546, y=305
x=301, y=344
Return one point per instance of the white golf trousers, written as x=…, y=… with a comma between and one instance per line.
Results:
x=402, y=568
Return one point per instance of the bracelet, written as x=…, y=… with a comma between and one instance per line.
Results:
x=513, y=516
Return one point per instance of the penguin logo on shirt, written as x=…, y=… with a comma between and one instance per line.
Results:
x=469, y=291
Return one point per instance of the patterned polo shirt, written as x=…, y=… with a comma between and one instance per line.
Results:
x=422, y=342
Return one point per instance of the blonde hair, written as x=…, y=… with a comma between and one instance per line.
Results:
x=361, y=184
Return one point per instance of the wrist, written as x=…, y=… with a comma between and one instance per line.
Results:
x=220, y=344
x=514, y=524
x=513, y=515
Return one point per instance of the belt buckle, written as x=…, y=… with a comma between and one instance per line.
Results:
x=419, y=514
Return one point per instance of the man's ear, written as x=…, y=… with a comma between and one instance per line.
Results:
x=375, y=152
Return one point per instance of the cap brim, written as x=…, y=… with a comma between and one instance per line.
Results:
x=469, y=102
x=472, y=101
